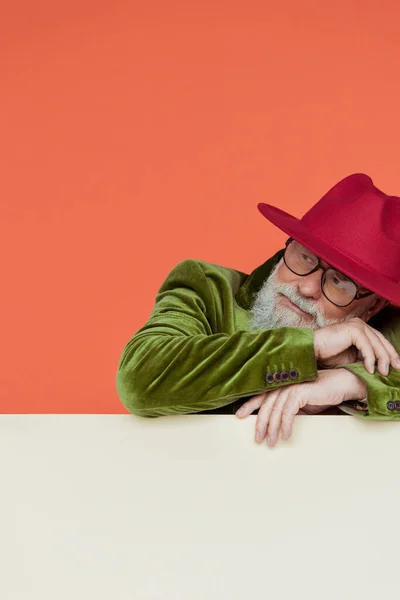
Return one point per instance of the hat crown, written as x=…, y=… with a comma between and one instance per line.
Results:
x=391, y=219
x=361, y=221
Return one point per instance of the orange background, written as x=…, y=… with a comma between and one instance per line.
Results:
x=137, y=134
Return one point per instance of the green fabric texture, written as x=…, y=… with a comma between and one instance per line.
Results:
x=381, y=389
x=196, y=353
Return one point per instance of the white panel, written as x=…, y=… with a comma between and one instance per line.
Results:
x=118, y=507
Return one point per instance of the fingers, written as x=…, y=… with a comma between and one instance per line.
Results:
x=251, y=405
x=289, y=410
x=363, y=343
x=277, y=414
x=373, y=346
x=264, y=414
x=394, y=358
x=265, y=402
x=382, y=351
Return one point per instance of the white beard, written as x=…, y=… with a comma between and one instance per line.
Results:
x=269, y=313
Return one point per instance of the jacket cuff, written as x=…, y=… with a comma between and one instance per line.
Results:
x=298, y=363
x=383, y=396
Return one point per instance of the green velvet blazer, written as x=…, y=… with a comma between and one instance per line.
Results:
x=197, y=353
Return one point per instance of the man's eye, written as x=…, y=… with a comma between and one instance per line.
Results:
x=340, y=281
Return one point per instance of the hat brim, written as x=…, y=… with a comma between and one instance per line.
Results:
x=369, y=278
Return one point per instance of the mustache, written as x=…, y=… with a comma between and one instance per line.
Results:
x=305, y=305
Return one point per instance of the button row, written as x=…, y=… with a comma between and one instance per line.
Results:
x=393, y=405
x=281, y=376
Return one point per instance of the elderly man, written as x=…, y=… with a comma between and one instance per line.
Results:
x=301, y=334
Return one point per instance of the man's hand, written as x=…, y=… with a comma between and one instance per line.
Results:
x=340, y=344
x=279, y=407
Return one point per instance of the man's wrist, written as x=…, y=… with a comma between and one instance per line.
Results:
x=317, y=352
x=354, y=388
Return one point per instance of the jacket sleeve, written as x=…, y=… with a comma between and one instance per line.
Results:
x=179, y=362
x=383, y=393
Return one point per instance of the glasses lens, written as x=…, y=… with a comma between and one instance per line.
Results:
x=299, y=260
x=338, y=288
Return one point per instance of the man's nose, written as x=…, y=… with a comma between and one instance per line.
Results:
x=310, y=285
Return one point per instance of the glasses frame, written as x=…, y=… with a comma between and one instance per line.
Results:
x=358, y=294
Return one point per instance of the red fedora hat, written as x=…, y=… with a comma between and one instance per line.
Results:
x=355, y=228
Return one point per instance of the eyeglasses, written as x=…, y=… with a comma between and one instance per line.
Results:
x=336, y=287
